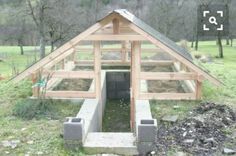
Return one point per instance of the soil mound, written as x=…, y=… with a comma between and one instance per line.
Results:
x=202, y=133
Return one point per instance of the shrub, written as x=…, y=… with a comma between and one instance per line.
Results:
x=29, y=109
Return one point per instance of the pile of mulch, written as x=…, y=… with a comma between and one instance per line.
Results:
x=202, y=133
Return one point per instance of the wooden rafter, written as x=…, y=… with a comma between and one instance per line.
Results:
x=115, y=38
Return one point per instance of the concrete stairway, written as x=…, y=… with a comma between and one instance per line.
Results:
x=110, y=143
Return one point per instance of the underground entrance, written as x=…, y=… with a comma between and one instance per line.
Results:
x=117, y=112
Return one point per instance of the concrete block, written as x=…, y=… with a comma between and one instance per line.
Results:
x=74, y=129
x=145, y=148
x=147, y=130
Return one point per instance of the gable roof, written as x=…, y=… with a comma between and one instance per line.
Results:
x=130, y=17
x=171, y=46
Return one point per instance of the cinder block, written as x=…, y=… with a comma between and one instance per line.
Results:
x=147, y=130
x=146, y=147
x=74, y=129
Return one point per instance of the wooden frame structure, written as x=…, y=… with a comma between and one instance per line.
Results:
x=123, y=27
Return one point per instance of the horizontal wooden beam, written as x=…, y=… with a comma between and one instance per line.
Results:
x=70, y=94
x=151, y=50
x=146, y=62
x=167, y=76
x=115, y=38
x=167, y=96
x=154, y=62
x=71, y=74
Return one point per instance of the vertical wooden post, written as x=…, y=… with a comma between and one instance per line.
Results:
x=135, y=81
x=63, y=64
x=97, y=68
x=198, y=89
x=123, y=51
x=73, y=55
x=35, y=90
x=116, y=26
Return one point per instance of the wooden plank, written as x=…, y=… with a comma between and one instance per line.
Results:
x=97, y=68
x=70, y=94
x=115, y=38
x=198, y=90
x=135, y=82
x=151, y=50
x=116, y=26
x=124, y=51
x=35, y=90
x=168, y=76
x=72, y=74
x=159, y=62
x=167, y=96
x=57, y=54
x=174, y=54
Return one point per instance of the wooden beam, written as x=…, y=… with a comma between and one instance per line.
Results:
x=180, y=58
x=70, y=94
x=57, y=54
x=35, y=90
x=168, y=76
x=151, y=50
x=116, y=26
x=72, y=74
x=135, y=82
x=115, y=38
x=97, y=68
x=198, y=89
x=167, y=96
x=146, y=62
x=157, y=62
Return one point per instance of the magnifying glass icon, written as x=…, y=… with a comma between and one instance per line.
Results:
x=212, y=20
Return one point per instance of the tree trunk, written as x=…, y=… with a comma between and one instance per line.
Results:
x=192, y=43
x=42, y=47
x=20, y=44
x=52, y=46
x=221, y=54
x=227, y=40
x=21, y=49
x=196, y=43
x=231, y=42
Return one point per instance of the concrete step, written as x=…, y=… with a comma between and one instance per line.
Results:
x=110, y=143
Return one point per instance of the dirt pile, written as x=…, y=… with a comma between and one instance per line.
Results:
x=202, y=133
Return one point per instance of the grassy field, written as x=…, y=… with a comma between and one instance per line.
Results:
x=38, y=136
x=11, y=58
x=42, y=135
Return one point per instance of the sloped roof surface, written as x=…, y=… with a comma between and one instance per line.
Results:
x=162, y=38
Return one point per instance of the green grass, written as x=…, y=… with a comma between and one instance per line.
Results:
x=223, y=69
x=169, y=107
x=116, y=117
x=12, y=58
x=44, y=132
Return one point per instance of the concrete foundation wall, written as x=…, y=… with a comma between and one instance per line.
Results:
x=118, y=84
x=90, y=114
x=146, y=127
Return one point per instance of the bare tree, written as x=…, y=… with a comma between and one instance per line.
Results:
x=37, y=13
